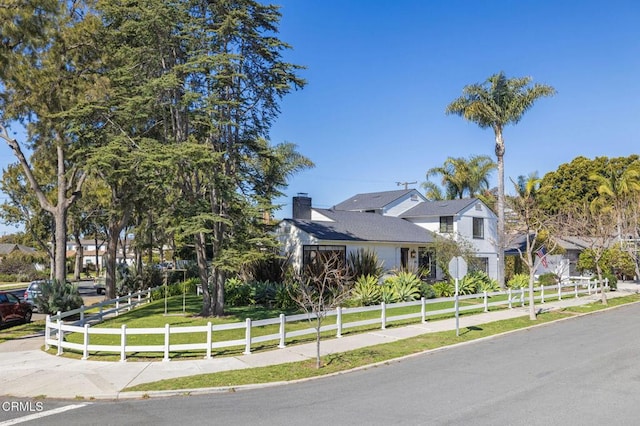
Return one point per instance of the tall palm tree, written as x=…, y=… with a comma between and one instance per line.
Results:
x=497, y=103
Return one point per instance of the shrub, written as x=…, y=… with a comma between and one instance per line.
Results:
x=273, y=269
x=613, y=280
x=262, y=293
x=283, y=299
x=366, y=291
x=237, y=292
x=518, y=281
x=548, y=279
x=444, y=289
x=427, y=291
x=58, y=296
x=364, y=262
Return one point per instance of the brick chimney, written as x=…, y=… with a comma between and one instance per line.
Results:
x=302, y=206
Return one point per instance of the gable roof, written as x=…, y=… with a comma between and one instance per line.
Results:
x=372, y=200
x=440, y=208
x=6, y=248
x=358, y=226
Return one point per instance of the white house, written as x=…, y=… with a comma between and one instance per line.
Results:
x=398, y=225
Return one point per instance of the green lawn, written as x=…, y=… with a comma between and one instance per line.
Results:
x=361, y=357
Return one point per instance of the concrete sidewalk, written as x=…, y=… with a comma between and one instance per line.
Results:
x=29, y=372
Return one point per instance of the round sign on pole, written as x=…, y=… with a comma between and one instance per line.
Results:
x=457, y=267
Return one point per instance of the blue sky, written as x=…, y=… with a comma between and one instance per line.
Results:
x=381, y=73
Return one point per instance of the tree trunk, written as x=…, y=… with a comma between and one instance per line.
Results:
x=500, y=157
x=318, y=326
x=77, y=270
x=203, y=274
x=532, y=305
x=61, y=244
x=111, y=261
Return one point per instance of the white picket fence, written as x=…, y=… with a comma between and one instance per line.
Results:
x=56, y=328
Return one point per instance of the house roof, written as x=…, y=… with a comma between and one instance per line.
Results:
x=358, y=226
x=11, y=247
x=372, y=200
x=439, y=208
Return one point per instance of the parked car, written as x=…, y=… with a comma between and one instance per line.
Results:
x=99, y=283
x=12, y=309
x=32, y=292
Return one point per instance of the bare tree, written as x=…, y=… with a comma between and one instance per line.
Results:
x=323, y=286
x=536, y=227
x=596, y=224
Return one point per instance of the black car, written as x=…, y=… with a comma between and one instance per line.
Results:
x=13, y=309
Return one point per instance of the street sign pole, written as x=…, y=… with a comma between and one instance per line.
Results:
x=457, y=308
x=457, y=270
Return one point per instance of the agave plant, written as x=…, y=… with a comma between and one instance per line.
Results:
x=518, y=281
x=477, y=282
x=406, y=286
x=444, y=289
x=366, y=291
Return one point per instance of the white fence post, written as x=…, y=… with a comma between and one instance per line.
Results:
x=85, y=350
x=123, y=343
x=522, y=297
x=247, y=337
x=423, y=309
x=60, y=337
x=209, y=333
x=117, y=307
x=283, y=335
x=576, y=288
x=47, y=332
x=339, y=321
x=129, y=302
x=509, y=296
x=383, y=315
x=167, y=335
x=486, y=301
x=542, y=293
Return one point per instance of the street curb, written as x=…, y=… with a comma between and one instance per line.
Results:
x=230, y=389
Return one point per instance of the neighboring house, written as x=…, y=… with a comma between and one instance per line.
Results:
x=398, y=225
x=8, y=248
x=92, y=252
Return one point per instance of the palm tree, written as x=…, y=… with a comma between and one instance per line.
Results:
x=460, y=177
x=479, y=168
x=619, y=189
x=497, y=103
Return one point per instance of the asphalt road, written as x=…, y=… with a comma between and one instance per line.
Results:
x=583, y=371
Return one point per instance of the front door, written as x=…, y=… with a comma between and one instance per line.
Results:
x=404, y=257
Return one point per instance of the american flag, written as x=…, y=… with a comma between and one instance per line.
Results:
x=542, y=254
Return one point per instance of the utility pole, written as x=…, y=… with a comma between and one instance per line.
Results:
x=406, y=184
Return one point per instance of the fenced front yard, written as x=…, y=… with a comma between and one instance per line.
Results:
x=81, y=337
